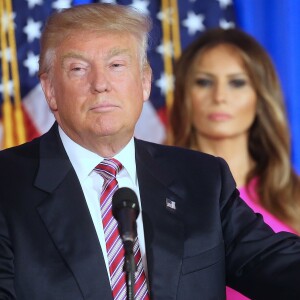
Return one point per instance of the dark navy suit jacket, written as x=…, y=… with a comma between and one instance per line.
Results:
x=199, y=235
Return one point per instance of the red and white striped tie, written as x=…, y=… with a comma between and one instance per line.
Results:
x=108, y=169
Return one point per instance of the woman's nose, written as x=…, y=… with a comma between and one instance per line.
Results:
x=220, y=93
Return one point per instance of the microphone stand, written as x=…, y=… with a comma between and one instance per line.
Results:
x=129, y=268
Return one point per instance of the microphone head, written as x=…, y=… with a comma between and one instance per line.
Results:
x=125, y=198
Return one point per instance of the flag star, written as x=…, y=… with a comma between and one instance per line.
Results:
x=7, y=54
x=31, y=63
x=225, y=24
x=165, y=49
x=32, y=30
x=165, y=83
x=193, y=22
x=141, y=5
x=10, y=86
x=60, y=4
x=165, y=15
x=33, y=3
x=224, y=3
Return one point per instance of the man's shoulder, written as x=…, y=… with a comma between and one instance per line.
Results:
x=179, y=158
x=174, y=151
x=28, y=148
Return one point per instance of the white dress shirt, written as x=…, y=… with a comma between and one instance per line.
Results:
x=84, y=162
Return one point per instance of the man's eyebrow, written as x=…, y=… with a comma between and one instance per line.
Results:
x=111, y=53
x=72, y=55
x=118, y=51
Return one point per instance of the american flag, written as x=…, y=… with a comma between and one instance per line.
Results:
x=24, y=112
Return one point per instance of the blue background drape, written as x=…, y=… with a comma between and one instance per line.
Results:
x=276, y=25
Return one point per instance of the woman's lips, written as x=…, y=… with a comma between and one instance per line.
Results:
x=219, y=117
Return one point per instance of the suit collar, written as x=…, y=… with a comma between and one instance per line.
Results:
x=54, y=163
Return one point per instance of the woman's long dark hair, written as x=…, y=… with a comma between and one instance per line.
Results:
x=269, y=140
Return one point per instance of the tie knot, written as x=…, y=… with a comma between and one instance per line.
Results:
x=109, y=168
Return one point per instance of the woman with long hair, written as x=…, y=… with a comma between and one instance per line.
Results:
x=228, y=102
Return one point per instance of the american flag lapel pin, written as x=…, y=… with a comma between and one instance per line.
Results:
x=170, y=205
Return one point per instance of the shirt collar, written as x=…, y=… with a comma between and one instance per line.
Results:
x=84, y=161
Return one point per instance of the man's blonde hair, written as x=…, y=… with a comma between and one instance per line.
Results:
x=98, y=18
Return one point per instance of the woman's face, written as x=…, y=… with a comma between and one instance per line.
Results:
x=221, y=94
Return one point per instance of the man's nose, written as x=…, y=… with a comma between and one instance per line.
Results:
x=100, y=81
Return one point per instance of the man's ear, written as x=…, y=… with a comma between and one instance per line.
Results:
x=47, y=87
x=146, y=81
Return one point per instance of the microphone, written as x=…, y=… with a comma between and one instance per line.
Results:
x=125, y=209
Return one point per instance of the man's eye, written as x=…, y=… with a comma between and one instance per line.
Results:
x=77, y=69
x=117, y=65
x=203, y=82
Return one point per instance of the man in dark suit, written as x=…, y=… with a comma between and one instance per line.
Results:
x=194, y=233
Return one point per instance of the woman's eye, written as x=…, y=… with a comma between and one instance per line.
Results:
x=203, y=82
x=238, y=83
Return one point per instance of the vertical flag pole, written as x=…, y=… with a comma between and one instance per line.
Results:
x=18, y=113
x=7, y=106
x=172, y=46
x=167, y=55
x=176, y=30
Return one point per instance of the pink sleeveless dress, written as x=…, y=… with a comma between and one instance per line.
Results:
x=271, y=220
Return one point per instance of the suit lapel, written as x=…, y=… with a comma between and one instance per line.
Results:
x=164, y=230
x=68, y=221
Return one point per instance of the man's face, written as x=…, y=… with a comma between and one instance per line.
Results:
x=96, y=87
